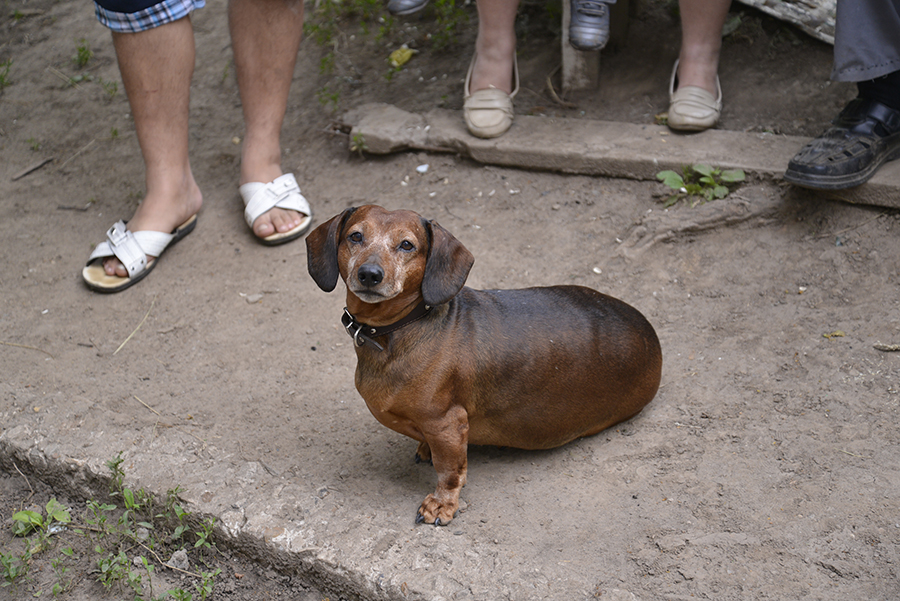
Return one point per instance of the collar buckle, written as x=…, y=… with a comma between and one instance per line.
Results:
x=355, y=329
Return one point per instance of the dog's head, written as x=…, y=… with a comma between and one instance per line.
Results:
x=383, y=255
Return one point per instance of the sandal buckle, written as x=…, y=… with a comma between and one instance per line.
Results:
x=117, y=234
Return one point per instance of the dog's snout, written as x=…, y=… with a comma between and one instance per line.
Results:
x=370, y=275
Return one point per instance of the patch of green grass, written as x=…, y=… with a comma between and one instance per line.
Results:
x=129, y=539
x=699, y=183
x=328, y=96
x=450, y=18
x=4, y=73
x=83, y=53
x=110, y=87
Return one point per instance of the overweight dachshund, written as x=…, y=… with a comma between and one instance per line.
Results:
x=447, y=365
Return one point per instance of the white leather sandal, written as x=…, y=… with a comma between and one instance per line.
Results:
x=282, y=192
x=134, y=250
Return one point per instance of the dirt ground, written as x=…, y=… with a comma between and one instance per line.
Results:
x=767, y=466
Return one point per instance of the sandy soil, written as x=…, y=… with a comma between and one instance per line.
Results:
x=767, y=466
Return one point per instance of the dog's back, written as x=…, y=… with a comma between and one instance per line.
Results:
x=552, y=364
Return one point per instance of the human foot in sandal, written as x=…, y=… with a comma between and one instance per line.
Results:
x=130, y=252
x=276, y=211
x=136, y=253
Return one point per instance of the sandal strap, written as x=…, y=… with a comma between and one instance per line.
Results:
x=131, y=248
x=861, y=110
x=283, y=192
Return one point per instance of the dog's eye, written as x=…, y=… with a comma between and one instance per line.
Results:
x=355, y=237
x=407, y=246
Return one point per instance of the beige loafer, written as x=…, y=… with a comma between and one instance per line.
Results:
x=692, y=108
x=489, y=113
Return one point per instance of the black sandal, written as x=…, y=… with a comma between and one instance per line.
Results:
x=866, y=134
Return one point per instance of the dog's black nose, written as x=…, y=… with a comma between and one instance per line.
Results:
x=370, y=275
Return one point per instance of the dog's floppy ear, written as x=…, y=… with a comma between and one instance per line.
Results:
x=446, y=267
x=321, y=250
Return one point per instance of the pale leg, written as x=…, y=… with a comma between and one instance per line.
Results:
x=495, y=46
x=701, y=42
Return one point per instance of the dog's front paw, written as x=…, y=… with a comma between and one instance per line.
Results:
x=435, y=512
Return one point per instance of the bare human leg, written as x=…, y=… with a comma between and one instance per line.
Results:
x=701, y=42
x=495, y=47
x=266, y=37
x=156, y=67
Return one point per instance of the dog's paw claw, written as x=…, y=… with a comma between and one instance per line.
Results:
x=420, y=518
x=437, y=522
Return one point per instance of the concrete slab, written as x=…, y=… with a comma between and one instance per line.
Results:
x=589, y=147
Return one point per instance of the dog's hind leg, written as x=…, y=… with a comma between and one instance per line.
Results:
x=423, y=453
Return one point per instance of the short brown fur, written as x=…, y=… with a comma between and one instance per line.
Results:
x=532, y=368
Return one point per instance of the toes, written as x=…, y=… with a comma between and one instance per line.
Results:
x=113, y=266
x=433, y=512
x=276, y=220
x=263, y=228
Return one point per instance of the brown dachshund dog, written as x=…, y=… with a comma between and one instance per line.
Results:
x=448, y=366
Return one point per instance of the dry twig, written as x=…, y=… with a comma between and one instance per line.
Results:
x=137, y=328
x=31, y=348
x=26, y=481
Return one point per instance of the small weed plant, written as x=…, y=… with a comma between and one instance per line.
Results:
x=83, y=53
x=699, y=183
x=110, y=87
x=359, y=145
x=130, y=537
x=4, y=73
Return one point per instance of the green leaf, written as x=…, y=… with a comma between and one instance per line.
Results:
x=26, y=521
x=129, y=498
x=58, y=512
x=671, y=200
x=707, y=180
x=671, y=179
x=704, y=169
x=732, y=175
x=720, y=191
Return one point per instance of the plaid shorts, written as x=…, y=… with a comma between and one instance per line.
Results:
x=116, y=14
